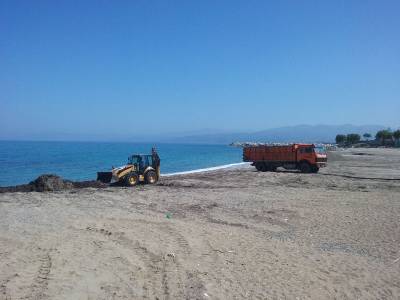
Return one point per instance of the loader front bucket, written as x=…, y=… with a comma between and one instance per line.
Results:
x=104, y=176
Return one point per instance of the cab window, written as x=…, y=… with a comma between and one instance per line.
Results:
x=306, y=150
x=145, y=160
x=133, y=160
x=320, y=150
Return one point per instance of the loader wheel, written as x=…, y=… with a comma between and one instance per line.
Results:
x=131, y=179
x=305, y=167
x=258, y=166
x=151, y=177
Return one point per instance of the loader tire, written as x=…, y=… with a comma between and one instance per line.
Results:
x=151, y=177
x=131, y=179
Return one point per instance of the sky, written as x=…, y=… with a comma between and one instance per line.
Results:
x=103, y=69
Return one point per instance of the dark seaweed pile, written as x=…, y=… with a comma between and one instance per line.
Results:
x=51, y=182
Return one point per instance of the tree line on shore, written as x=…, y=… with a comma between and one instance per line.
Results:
x=384, y=137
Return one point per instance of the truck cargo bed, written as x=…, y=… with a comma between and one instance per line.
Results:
x=270, y=153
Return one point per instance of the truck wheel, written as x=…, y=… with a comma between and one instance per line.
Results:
x=264, y=167
x=305, y=167
x=150, y=177
x=314, y=169
x=270, y=167
x=131, y=179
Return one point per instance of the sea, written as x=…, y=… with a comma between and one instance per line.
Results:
x=23, y=161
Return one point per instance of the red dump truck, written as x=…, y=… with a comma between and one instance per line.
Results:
x=307, y=158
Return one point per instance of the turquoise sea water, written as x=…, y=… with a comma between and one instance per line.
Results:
x=21, y=162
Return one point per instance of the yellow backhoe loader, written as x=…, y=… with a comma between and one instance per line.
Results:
x=140, y=168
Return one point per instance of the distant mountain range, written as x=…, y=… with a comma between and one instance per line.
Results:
x=299, y=133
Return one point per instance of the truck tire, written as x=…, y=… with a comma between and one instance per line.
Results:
x=150, y=177
x=264, y=167
x=131, y=179
x=314, y=169
x=268, y=167
x=258, y=166
x=305, y=167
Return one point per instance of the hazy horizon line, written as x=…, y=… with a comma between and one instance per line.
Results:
x=166, y=138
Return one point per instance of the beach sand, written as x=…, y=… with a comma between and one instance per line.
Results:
x=226, y=234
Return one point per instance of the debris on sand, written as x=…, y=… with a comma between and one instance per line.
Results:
x=51, y=182
x=89, y=183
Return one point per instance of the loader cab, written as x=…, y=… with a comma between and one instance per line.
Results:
x=141, y=162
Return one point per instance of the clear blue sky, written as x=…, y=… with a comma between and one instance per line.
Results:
x=102, y=68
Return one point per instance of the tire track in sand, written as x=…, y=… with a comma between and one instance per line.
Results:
x=164, y=268
x=40, y=281
x=3, y=290
x=164, y=275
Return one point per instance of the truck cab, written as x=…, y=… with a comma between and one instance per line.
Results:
x=315, y=156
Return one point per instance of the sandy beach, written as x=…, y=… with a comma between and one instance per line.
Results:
x=232, y=233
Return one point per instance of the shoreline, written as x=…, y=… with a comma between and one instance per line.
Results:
x=204, y=170
x=53, y=182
